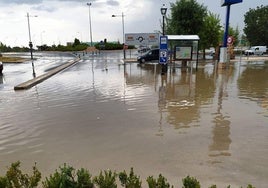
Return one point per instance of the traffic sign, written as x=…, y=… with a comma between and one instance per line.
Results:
x=230, y=40
x=163, y=52
x=163, y=56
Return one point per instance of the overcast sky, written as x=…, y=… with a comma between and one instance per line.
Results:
x=60, y=21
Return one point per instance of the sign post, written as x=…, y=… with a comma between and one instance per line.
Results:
x=223, y=50
x=163, y=52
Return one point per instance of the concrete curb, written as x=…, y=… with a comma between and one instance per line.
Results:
x=30, y=83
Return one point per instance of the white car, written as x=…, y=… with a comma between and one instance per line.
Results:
x=256, y=50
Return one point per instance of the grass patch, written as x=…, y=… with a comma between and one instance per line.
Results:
x=13, y=59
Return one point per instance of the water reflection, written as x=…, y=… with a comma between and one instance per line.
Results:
x=1, y=78
x=221, y=130
x=182, y=123
x=253, y=84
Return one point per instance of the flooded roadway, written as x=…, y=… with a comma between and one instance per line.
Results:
x=100, y=114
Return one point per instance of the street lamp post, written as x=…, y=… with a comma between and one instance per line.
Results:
x=30, y=40
x=163, y=10
x=89, y=18
x=123, y=25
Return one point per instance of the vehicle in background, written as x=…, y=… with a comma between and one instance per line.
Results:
x=256, y=50
x=143, y=49
x=1, y=67
x=149, y=56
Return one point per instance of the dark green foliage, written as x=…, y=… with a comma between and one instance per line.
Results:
x=131, y=181
x=109, y=46
x=84, y=179
x=65, y=178
x=210, y=34
x=61, y=179
x=160, y=182
x=256, y=26
x=108, y=180
x=190, y=182
x=186, y=17
x=213, y=186
x=16, y=179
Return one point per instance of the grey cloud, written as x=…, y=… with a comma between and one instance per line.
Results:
x=21, y=1
x=113, y=3
x=44, y=8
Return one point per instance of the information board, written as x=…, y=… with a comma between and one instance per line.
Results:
x=183, y=52
x=142, y=39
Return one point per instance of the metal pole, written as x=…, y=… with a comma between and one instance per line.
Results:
x=226, y=26
x=223, y=50
x=123, y=23
x=90, y=28
x=163, y=25
x=30, y=39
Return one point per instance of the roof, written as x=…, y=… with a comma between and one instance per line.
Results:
x=183, y=37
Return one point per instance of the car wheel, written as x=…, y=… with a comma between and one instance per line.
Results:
x=142, y=60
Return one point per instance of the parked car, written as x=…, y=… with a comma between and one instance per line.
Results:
x=149, y=56
x=256, y=50
x=143, y=49
x=1, y=67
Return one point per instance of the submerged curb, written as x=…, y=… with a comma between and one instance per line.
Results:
x=30, y=83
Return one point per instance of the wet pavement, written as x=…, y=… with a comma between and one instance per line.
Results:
x=101, y=114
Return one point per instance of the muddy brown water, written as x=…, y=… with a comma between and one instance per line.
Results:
x=100, y=114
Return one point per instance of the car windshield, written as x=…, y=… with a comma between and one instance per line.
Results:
x=148, y=52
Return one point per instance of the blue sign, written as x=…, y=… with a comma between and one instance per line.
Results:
x=230, y=2
x=163, y=52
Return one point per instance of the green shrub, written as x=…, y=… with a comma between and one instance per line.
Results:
x=15, y=178
x=160, y=182
x=63, y=178
x=66, y=178
x=131, y=181
x=213, y=186
x=190, y=182
x=108, y=180
x=84, y=179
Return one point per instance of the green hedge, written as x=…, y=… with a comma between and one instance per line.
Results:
x=67, y=177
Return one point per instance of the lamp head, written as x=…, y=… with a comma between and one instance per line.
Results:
x=163, y=10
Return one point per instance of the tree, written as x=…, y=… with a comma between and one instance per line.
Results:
x=210, y=34
x=256, y=25
x=187, y=17
x=76, y=42
x=235, y=34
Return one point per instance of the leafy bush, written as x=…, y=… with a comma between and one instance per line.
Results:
x=190, y=182
x=84, y=179
x=15, y=178
x=131, y=181
x=108, y=180
x=160, y=182
x=67, y=177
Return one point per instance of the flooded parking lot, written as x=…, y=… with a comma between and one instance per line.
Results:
x=101, y=114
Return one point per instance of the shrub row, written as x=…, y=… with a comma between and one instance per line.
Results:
x=67, y=177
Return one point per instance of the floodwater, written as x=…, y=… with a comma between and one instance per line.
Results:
x=100, y=114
